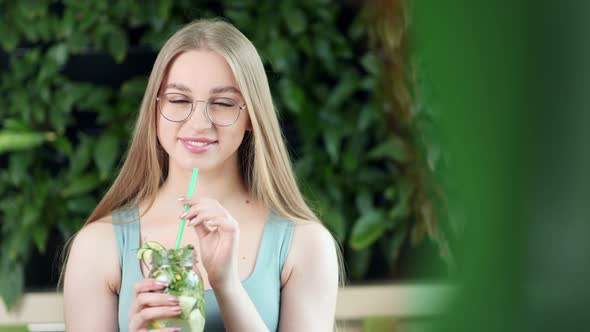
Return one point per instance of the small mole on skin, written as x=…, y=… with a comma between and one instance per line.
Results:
x=244, y=257
x=247, y=202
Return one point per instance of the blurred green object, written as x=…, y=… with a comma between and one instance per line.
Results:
x=512, y=84
x=380, y=324
x=78, y=70
x=475, y=64
x=14, y=328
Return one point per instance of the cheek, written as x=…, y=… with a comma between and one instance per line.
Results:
x=166, y=131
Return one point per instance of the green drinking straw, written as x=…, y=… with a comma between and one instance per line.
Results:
x=191, y=188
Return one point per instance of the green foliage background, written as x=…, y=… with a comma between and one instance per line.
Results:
x=352, y=136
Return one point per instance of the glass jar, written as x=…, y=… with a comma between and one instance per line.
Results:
x=175, y=267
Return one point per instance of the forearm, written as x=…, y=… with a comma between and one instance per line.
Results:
x=238, y=311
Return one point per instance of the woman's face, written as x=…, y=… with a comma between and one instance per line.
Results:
x=201, y=76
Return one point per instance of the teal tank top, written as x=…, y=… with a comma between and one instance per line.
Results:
x=263, y=285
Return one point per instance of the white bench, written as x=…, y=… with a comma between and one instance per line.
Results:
x=44, y=311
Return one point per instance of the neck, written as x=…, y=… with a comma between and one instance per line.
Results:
x=224, y=184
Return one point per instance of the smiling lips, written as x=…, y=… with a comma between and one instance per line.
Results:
x=197, y=145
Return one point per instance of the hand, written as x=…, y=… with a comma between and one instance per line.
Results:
x=147, y=305
x=219, y=236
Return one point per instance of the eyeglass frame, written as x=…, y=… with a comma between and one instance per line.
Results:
x=193, y=102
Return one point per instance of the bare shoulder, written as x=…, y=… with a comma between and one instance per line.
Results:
x=310, y=289
x=94, y=249
x=311, y=240
x=92, y=279
x=312, y=237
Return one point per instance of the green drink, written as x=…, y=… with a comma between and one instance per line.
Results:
x=175, y=267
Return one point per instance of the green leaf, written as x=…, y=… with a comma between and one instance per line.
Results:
x=117, y=44
x=18, y=166
x=59, y=54
x=16, y=125
x=391, y=245
x=77, y=41
x=344, y=90
x=40, y=235
x=364, y=201
x=81, y=204
x=63, y=145
x=359, y=263
x=9, y=39
x=295, y=20
x=278, y=52
x=371, y=63
x=81, y=157
x=293, y=96
x=367, y=229
x=105, y=154
x=394, y=148
x=11, y=281
x=335, y=222
x=402, y=208
x=366, y=117
x=332, y=141
x=17, y=141
x=81, y=185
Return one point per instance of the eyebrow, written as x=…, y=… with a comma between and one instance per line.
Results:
x=221, y=89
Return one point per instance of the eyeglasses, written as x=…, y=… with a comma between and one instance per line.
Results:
x=220, y=111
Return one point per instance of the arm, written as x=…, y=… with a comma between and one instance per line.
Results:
x=90, y=297
x=219, y=235
x=308, y=297
x=237, y=310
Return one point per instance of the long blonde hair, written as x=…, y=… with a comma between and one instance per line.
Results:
x=146, y=166
x=265, y=164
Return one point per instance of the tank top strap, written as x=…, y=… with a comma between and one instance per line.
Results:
x=280, y=235
x=126, y=224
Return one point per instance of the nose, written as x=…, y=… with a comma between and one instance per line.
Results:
x=198, y=117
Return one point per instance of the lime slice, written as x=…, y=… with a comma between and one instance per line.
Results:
x=153, y=245
x=186, y=303
x=145, y=252
x=196, y=321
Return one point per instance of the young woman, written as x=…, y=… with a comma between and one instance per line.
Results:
x=266, y=261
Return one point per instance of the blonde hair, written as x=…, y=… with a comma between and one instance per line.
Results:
x=145, y=167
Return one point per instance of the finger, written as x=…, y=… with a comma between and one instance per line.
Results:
x=193, y=211
x=201, y=230
x=142, y=286
x=192, y=200
x=225, y=224
x=152, y=313
x=142, y=318
x=148, y=285
x=156, y=299
x=202, y=216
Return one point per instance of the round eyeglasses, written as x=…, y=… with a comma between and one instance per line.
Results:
x=220, y=111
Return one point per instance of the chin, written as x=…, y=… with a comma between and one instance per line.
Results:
x=202, y=164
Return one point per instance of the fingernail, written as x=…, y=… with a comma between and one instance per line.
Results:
x=177, y=309
x=184, y=214
x=175, y=329
x=161, y=284
x=191, y=222
x=181, y=198
x=173, y=300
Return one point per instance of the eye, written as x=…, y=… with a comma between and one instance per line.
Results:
x=179, y=101
x=223, y=103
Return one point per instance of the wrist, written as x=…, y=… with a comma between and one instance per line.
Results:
x=227, y=288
